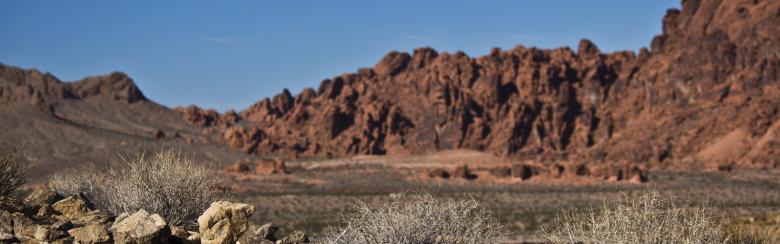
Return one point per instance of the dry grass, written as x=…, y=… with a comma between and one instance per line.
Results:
x=86, y=180
x=166, y=183
x=752, y=233
x=643, y=219
x=418, y=218
x=13, y=173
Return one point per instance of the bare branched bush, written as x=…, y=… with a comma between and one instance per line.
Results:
x=13, y=173
x=166, y=183
x=418, y=218
x=86, y=180
x=643, y=219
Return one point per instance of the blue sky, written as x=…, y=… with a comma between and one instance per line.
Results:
x=229, y=55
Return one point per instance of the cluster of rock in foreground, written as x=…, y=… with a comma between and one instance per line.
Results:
x=45, y=217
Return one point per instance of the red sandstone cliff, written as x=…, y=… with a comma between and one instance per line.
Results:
x=710, y=76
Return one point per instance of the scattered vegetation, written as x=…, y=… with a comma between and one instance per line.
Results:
x=167, y=183
x=86, y=180
x=418, y=218
x=643, y=219
x=13, y=172
x=752, y=233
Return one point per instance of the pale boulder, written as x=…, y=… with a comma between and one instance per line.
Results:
x=140, y=227
x=224, y=222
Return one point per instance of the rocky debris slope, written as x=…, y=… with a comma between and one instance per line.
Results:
x=712, y=72
x=45, y=217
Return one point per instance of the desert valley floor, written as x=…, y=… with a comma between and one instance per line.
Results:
x=315, y=194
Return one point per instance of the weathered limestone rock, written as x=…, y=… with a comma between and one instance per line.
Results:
x=194, y=237
x=71, y=206
x=224, y=222
x=267, y=231
x=6, y=222
x=91, y=234
x=7, y=238
x=179, y=235
x=42, y=196
x=265, y=234
x=91, y=217
x=140, y=227
x=47, y=233
x=297, y=237
x=24, y=228
x=45, y=211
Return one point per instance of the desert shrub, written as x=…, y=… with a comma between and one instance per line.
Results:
x=418, y=218
x=13, y=173
x=643, y=219
x=166, y=183
x=752, y=233
x=85, y=180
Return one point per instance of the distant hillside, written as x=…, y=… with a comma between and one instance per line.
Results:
x=58, y=125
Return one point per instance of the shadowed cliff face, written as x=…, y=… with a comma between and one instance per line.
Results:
x=712, y=71
x=518, y=101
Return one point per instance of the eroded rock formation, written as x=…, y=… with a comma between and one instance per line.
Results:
x=712, y=71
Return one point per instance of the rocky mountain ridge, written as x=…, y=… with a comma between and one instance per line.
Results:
x=42, y=89
x=705, y=93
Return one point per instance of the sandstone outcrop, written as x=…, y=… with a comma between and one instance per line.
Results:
x=439, y=173
x=207, y=117
x=463, y=172
x=713, y=70
x=237, y=167
x=265, y=167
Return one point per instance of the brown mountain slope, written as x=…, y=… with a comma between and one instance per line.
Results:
x=58, y=125
x=707, y=92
